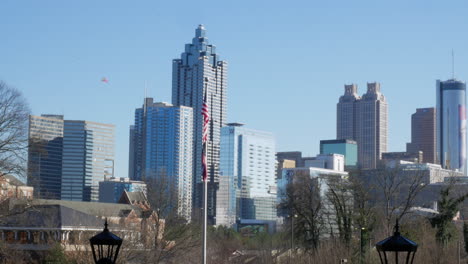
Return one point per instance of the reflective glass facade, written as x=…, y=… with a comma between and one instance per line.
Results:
x=451, y=124
x=200, y=69
x=45, y=155
x=110, y=191
x=161, y=147
x=345, y=147
x=88, y=158
x=248, y=157
x=68, y=158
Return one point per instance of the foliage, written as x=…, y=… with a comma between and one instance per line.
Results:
x=448, y=208
x=56, y=255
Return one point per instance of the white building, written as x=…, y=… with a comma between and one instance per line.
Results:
x=248, y=163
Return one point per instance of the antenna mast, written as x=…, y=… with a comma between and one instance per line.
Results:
x=453, y=65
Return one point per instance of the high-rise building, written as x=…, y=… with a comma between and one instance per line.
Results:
x=161, y=142
x=68, y=158
x=423, y=134
x=248, y=157
x=346, y=147
x=197, y=73
x=45, y=155
x=88, y=158
x=296, y=156
x=367, y=125
x=346, y=113
x=451, y=124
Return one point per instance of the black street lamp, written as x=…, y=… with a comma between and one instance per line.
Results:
x=397, y=243
x=105, y=246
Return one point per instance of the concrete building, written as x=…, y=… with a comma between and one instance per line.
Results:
x=346, y=147
x=68, y=158
x=284, y=164
x=111, y=189
x=365, y=121
x=201, y=70
x=416, y=157
x=161, y=149
x=451, y=124
x=326, y=161
x=346, y=113
x=248, y=158
x=423, y=134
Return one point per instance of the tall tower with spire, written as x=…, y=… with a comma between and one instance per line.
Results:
x=200, y=69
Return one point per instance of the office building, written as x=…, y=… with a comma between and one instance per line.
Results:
x=346, y=113
x=197, y=73
x=346, y=147
x=68, y=158
x=364, y=120
x=295, y=156
x=161, y=150
x=111, y=189
x=88, y=158
x=45, y=155
x=423, y=134
x=248, y=158
x=451, y=124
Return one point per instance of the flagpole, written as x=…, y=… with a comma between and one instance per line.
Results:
x=204, y=176
x=205, y=216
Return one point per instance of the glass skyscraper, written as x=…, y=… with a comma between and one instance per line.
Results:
x=68, y=158
x=200, y=69
x=45, y=155
x=248, y=160
x=451, y=124
x=161, y=142
x=88, y=158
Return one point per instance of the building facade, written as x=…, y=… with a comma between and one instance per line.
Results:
x=88, y=158
x=45, y=155
x=451, y=124
x=68, y=158
x=161, y=149
x=364, y=120
x=423, y=134
x=200, y=72
x=248, y=160
x=346, y=113
x=111, y=189
x=346, y=147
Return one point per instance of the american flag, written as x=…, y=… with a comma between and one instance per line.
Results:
x=206, y=121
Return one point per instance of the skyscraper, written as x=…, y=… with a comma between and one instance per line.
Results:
x=198, y=70
x=346, y=113
x=451, y=124
x=88, y=158
x=423, y=134
x=68, y=158
x=367, y=125
x=161, y=144
x=45, y=155
x=248, y=159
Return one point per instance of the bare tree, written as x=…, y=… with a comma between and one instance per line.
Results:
x=302, y=198
x=14, y=113
x=398, y=189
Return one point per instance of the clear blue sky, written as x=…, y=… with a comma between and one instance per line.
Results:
x=288, y=60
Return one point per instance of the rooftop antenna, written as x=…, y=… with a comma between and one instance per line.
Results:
x=453, y=65
x=146, y=89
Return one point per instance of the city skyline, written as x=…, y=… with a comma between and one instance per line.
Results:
x=78, y=92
